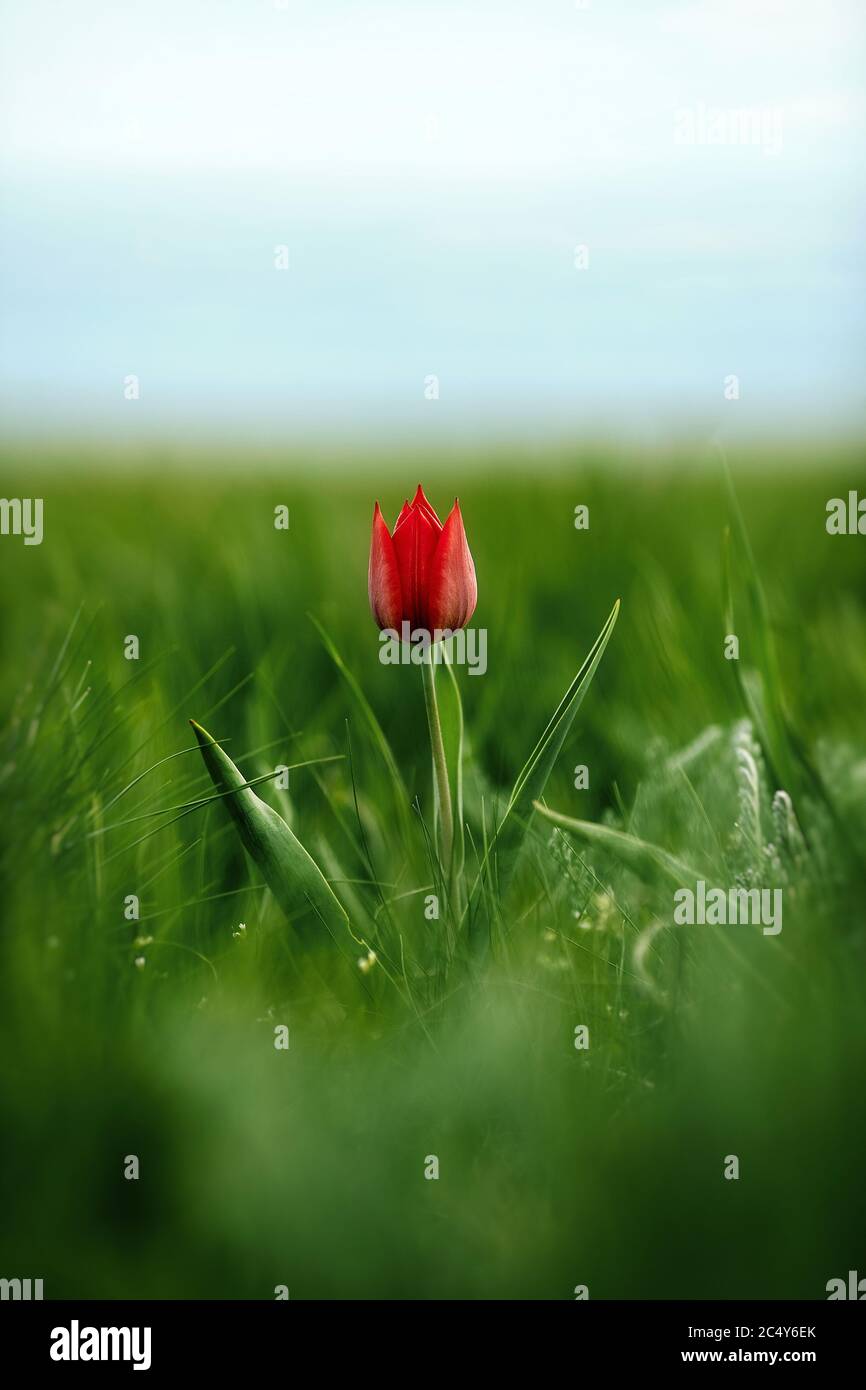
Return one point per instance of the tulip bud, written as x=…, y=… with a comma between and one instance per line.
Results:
x=422, y=573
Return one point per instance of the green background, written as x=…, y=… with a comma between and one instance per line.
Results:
x=305, y=1167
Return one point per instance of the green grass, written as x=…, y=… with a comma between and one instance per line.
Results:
x=558, y=1167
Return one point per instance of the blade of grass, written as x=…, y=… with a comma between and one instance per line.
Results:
x=532, y=778
x=292, y=875
x=401, y=795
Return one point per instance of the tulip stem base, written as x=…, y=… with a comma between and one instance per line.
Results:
x=440, y=766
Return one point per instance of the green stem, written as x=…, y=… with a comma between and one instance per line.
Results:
x=440, y=765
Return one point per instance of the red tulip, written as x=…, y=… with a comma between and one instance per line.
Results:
x=422, y=574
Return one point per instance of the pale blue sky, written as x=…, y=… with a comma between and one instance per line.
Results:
x=431, y=170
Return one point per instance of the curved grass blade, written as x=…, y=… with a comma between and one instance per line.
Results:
x=532, y=779
x=292, y=875
x=785, y=748
x=640, y=856
x=400, y=792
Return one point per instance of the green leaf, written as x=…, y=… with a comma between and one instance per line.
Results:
x=292, y=875
x=532, y=779
x=642, y=857
x=789, y=760
x=401, y=795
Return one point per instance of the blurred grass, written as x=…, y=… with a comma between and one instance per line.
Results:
x=305, y=1167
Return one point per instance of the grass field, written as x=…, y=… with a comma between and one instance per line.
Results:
x=559, y=1166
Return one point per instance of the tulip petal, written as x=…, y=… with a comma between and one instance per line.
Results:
x=420, y=501
x=414, y=543
x=405, y=511
x=383, y=578
x=452, y=590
